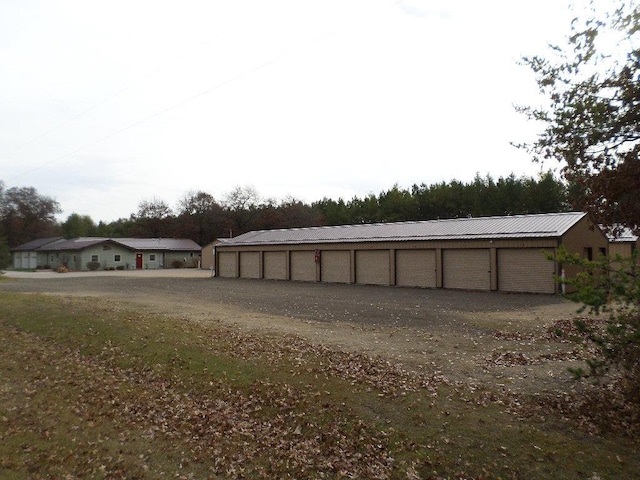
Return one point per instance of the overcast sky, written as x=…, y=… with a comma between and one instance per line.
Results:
x=106, y=104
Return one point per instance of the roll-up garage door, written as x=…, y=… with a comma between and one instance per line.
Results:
x=275, y=265
x=250, y=264
x=227, y=264
x=467, y=268
x=416, y=268
x=336, y=266
x=303, y=266
x=525, y=270
x=372, y=267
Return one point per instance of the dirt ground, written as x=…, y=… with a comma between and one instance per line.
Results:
x=491, y=339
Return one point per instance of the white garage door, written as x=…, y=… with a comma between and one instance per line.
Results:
x=250, y=264
x=336, y=266
x=467, y=269
x=416, y=268
x=227, y=264
x=275, y=265
x=303, y=266
x=372, y=267
x=525, y=270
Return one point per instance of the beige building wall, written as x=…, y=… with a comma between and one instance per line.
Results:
x=486, y=264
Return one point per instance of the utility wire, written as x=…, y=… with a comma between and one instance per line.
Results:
x=170, y=108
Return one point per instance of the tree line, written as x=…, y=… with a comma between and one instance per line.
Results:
x=26, y=215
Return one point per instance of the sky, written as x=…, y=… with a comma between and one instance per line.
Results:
x=106, y=104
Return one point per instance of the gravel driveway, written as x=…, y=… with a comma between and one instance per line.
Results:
x=460, y=333
x=371, y=305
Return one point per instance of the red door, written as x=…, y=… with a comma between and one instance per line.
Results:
x=138, y=261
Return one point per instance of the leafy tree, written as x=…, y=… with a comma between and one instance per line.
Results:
x=200, y=217
x=334, y=212
x=78, y=226
x=610, y=286
x=26, y=215
x=592, y=126
x=241, y=209
x=5, y=254
x=397, y=205
x=153, y=219
x=592, y=120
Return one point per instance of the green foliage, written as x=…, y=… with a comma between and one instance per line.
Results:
x=592, y=117
x=26, y=215
x=5, y=255
x=609, y=287
x=78, y=226
x=481, y=197
x=93, y=265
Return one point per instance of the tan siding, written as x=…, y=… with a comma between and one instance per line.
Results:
x=624, y=249
x=336, y=266
x=275, y=265
x=416, y=268
x=303, y=266
x=467, y=269
x=525, y=270
x=372, y=267
x=227, y=264
x=250, y=264
x=584, y=234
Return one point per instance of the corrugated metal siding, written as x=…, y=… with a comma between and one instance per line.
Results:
x=525, y=270
x=227, y=265
x=372, y=267
x=250, y=264
x=336, y=266
x=303, y=266
x=466, y=269
x=416, y=268
x=275, y=265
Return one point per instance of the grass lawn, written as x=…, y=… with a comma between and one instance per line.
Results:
x=90, y=391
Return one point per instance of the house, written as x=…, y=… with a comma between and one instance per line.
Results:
x=86, y=253
x=30, y=256
x=488, y=253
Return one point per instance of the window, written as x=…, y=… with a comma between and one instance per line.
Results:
x=603, y=251
x=152, y=257
x=116, y=258
x=94, y=258
x=588, y=253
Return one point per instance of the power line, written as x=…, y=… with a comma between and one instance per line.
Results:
x=98, y=104
x=170, y=108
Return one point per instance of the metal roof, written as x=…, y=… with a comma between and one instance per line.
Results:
x=548, y=225
x=171, y=244
x=158, y=244
x=74, y=244
x=35, y=244
x=622, y=235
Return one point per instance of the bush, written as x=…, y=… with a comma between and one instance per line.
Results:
x=120, y=267
x=610, y=286
x=62, y=269
x=93, y=265
x=176, y=264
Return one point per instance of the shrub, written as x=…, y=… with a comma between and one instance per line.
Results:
x=62, y=269
x=610, y=286
x=176, y=264
x=120, y=267
x=93, y=265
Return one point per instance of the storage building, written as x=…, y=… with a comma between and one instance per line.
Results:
x=509, y=253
